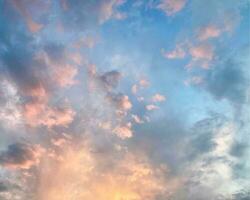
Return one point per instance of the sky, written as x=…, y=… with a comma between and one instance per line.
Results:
x=124, y=100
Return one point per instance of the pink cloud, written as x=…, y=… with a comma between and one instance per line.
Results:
x=108, y=10
x=125, y=103
x=123, y=131
x=143, y=83
x=178, y=52
x=38, y=92
x=62, y=71
x=210, y=31
x=202, y=51
x=171, y=7
x=137, y=119
x=158, y=98
x=38, y=113
x=202, y=54
x=64, y=75
x=152, y=107
x=22, y=8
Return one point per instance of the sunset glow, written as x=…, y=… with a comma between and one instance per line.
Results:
x=124, y=100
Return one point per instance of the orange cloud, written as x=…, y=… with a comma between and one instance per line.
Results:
x=37, y=92
x=124, y=103
x=38, y=113
x=121, y=101
x=123, y=131
x=130, y=177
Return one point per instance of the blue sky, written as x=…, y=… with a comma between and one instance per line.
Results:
x=124, y=100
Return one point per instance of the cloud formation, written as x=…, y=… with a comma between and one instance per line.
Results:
x=21, y=156
x=94, y=94
x=171, y=7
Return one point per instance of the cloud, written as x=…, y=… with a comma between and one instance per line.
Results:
x=86, y=41
x=144, y=83
x=61, y=65
x=106, y=147
x=127, y=177
x=36, y=76
x=209, y=160
x=39, y=114
x=20, y=156
x=64, y=75
x=109, y=9
x=137, y=119
x=229, y=80
x=202, y=54
x=158, y=98
x=221, y=14
x=177, y=53
x=134, y=89
x=110, y=79
x=76, y=13
x=3, y=187
x=210, y=31
x=151, y=107
x=202, y=51
x=171, y=7
x=123, y=131
x=10, y=114
x=121, y=101
x=23, y=7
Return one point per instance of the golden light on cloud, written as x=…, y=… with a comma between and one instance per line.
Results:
x=81, y=175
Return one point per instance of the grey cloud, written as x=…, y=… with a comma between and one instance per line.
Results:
x=239, y=148
x=228, y=81
x=229, y=77
x=16, y=155
x=244, y=195
x=110, y=79
x=3, y=187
